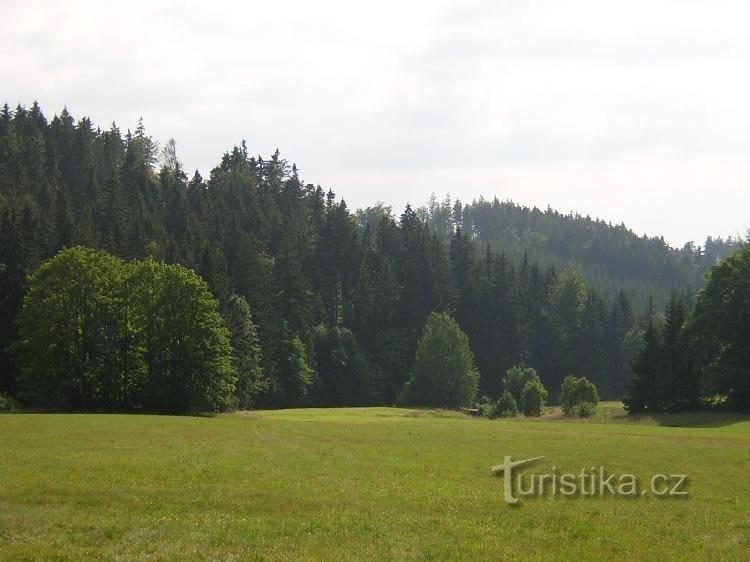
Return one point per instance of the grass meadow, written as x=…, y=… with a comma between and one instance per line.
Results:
x=363, y=483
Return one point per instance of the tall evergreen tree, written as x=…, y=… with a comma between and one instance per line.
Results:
x=246, y=352
x=643, y=389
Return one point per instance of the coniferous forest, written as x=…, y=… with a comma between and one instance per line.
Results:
x=324, y=305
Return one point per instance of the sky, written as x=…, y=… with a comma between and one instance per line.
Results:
x=634, y=112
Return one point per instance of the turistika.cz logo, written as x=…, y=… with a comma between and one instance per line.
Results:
x=590, y=481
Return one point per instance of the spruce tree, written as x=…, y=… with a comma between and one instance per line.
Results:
x=246, y=352
x=642, y=391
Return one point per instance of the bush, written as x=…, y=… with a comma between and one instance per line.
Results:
x=8, y=404
x=485, y=405
x=485, y=410
x=505, y=407
x=516, y=378
x=533, y=398
x=578, y=397
x=584, y=410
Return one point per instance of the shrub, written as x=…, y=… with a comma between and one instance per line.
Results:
x=578, y=396
x=8, y=404
x=505, y=407
x=485, y=406
x=533, y=398
x=485, y=410
x=516, y=378
x=584, y=409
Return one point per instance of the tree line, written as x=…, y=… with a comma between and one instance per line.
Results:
x=612, y=258
x=328, y=304
x=698, y=356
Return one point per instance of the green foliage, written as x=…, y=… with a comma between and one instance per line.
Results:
x=533, y=398
x=485, y=410
x=247, y=354
x=9, y=404
x=679, y=385
x=699, y=360
x=515, y=380
x=569, y=298
x=97, y=332
x=719, y=331
x=584, y=409
x=186, y=345
x=665, y=376
x=485, y=406
x=345, y=375
x=647, y=367
x=74, y=332
x=295, y=374
x=505, y=407
x=611, y=258
x=578, y=397
x=561, y=292
x=444, y=374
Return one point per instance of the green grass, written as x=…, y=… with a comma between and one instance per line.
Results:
x=354, y=483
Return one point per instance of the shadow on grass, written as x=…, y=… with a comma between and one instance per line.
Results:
x=28, y=410
x=607, y=412
x=691, y=419
x=614, y=412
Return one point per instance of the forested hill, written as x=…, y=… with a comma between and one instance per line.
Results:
x=338, y=307
x=612, y=257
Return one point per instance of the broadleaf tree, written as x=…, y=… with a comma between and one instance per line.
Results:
x=444, y=373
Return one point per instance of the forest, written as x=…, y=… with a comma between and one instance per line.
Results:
x=329, y=303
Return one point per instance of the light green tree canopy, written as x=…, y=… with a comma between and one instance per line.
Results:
x=444, y=374
x=98, y=332
x=533, y=398
x=578, y=396
x=516, y=378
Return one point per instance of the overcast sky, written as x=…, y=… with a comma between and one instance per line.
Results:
x=635, y=112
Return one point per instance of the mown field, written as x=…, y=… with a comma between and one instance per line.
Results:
x=377, y=483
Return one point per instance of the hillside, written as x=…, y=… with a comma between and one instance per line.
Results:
x=561, y=293
x=611, y=257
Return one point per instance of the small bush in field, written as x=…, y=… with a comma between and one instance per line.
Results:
x=505, y=407
x=533, y=398
x=578, y=397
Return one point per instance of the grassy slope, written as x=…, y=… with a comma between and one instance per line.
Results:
x=360, y=483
